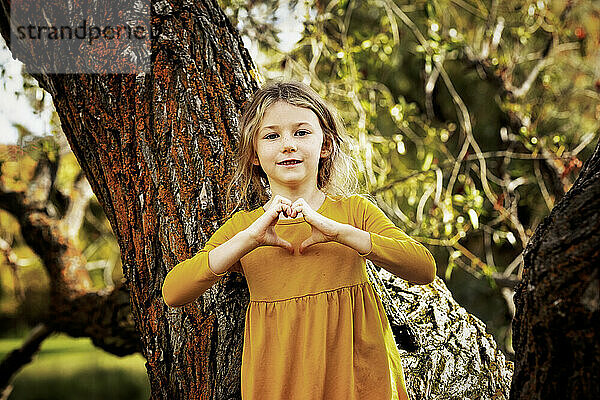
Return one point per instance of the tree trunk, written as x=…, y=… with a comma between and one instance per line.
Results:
x=446, y=352
x=156, y=149
x=556, y=324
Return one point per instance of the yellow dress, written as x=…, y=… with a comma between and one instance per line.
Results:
x=314, y=328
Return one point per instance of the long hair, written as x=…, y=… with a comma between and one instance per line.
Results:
x=337, y=172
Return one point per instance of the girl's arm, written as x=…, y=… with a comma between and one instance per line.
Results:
x=190, y=278
x=375, y=237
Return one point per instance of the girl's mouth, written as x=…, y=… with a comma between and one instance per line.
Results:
x=289, y=163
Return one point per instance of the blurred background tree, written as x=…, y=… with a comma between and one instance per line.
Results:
x=60, y=273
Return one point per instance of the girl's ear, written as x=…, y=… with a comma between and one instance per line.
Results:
x=255, y=160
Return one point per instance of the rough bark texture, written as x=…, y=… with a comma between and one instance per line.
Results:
x=156, y=149
x=446, y=352
x=555, y=331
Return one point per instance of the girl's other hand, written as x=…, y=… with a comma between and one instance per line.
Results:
x=262, y=230
x=323, y=229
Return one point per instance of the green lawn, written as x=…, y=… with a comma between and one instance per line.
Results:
x=73, y=369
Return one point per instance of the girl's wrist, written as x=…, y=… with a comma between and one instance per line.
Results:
x=354, y=237
x=249, y=239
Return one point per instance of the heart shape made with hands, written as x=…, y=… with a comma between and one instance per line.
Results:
x=322, y=229
x=287, y=215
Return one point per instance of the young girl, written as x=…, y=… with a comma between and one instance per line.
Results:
x=314, y=327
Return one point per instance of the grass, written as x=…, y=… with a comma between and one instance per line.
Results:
x=74, y=369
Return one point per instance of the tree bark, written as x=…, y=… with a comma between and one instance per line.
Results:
x=156, y=149
x=446, y=352
x=555, y=331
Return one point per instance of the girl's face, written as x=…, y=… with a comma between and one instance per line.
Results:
x=289, y=145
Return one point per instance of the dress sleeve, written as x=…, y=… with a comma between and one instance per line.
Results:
x=190, y=278
x=391, y=248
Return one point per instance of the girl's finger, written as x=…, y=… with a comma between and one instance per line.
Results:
x=306, y=243
x=298, y=209
x=281, y=199
x=286, y=209
x=281, y=207
x=299, y=202
x=285, y=244
x=293, y=212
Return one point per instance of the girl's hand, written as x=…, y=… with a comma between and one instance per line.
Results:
x=261, y=230
x=323, y=229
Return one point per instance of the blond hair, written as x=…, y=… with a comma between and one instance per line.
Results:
x=337, y=172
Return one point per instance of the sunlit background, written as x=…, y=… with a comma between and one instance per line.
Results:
x=470, y=118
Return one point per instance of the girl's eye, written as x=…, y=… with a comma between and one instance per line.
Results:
x=301, y=132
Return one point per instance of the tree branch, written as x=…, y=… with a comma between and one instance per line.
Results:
x=17, y=358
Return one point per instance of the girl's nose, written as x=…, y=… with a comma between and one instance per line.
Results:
x=288, y=144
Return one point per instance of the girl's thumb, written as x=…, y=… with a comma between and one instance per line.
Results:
x=308, y=242
x=286, y=245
